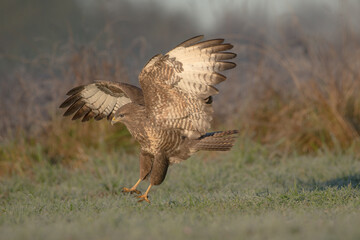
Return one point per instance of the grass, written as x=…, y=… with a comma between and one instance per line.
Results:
x=246, y=193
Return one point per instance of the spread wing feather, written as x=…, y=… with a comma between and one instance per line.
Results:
x=178, y=86
x=100, y=99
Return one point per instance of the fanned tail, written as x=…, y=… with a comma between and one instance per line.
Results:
x=216, y=141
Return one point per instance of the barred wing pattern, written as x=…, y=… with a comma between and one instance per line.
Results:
x=100, y=99
x=178, y=86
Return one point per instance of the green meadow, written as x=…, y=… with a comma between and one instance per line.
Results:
x=247, y=193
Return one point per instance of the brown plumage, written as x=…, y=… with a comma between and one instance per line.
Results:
x=171, y=112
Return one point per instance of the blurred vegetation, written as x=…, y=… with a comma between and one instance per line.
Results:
x=295, y=89
x=63, y=142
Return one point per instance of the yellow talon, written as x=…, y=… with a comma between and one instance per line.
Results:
x=143, y=197
x=131, y=190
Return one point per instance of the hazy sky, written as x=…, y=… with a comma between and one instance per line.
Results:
x=206, y=11
x=207, y=8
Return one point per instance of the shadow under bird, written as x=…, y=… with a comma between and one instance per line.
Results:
x=171, y=112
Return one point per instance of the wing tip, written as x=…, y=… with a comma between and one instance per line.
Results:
x=70, y=100
x=209, y=43
x=88, y=116
x=213, y=91
x=62, y=105
x=224, y=65
x=190, y=41
x=75, y=90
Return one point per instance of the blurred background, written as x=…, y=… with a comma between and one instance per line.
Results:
x=295, y=88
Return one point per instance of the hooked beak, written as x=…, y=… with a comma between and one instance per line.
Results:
x=114, y=120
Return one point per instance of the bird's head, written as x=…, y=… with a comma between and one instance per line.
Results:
x=117, y=118
x=129, y=113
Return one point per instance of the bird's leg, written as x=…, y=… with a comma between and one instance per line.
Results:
x=158, y=173
x=132, y=189
x=145, y=195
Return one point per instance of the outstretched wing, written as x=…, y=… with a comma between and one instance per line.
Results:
x=178, y=86
x=100, y=99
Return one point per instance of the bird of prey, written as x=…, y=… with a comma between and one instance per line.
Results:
x=171, y=112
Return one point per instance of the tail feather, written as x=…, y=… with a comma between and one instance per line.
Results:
x=216, y=141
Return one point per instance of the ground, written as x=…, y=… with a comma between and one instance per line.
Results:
x=243, y=194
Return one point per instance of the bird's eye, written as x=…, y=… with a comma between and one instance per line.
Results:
x=121, y=115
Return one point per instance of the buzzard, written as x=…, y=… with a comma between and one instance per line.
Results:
x=171, y=112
